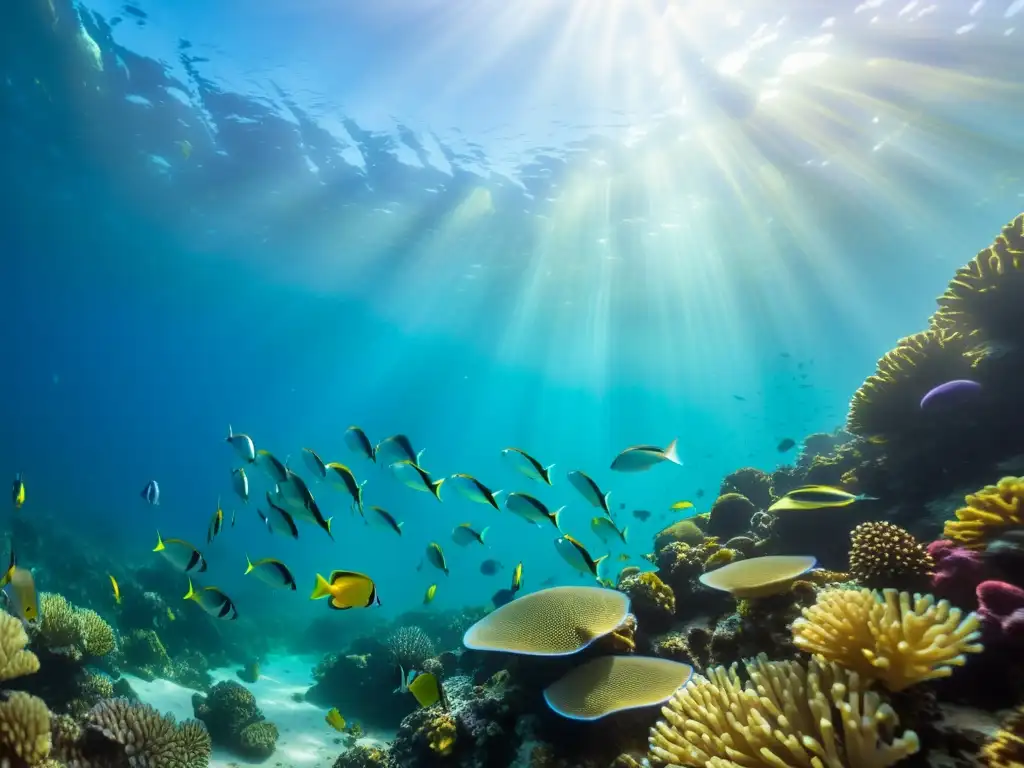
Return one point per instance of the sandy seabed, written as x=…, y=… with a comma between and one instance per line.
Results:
x=306, y=741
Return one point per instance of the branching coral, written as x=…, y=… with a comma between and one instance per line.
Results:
x=891, y=637
x=70, y=631
x=410, y=647
x=24, y=729
x=889, y=398
x=821, y=716
x=1006, y=748
x=97, y=634
x=987, y=513
x=983, y=300
x=145, y=736
x=883, y=554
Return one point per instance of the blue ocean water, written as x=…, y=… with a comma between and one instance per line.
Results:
x=568, y=227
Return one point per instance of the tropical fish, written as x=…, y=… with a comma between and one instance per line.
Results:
x=342, y=476
x=786, y=444
x=679, y=506
x=400, y=448
x=490, y=567
x=186, y=148
x=6, y=579
x=464, y=534
x=277, y=471
x=404, y=679
x=278, y=520
x=272, y=572
x=358, y=442
x=315, y=463
x=641, y=514
x=416, y=477
x=18, y=491
x=170, y=615
x=517, y=577
x=639, y=458
x=240, y=482
x=232, y=518
x=335, y=720
x=429, y=596
x=426, y=689
x=474, y=490
x=435, y=556
x=250, y=673
x=347, y=589
x=531, y=509
x=113, y=585
x=151, y=493
x=213, y=601
x=242, y=444
x=528, y=465
x=502, y=597
x=607, y=531
x=26, y=602
x=589, y=490
x=576, y=555
x=216, y=523
x=816, y=497
x=301, y=503
x=381, y=518
x=180, y=554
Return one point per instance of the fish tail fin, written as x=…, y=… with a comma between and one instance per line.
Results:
x=248, y=563
x=159, y=543
x=671, y=453
x=327, y=524
x=556, y=517
x=322, y=588
x=419, y=455
x=607, y=498
x=625, y=534
x=547, y=473
x=191, y=594
x=231, y=433
x=863, y=497
x=435, y=488
x=484, y=533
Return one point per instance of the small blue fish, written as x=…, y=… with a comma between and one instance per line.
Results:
x=151, y=493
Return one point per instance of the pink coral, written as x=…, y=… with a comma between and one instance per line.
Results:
x=1001, y=610
x=958, y=572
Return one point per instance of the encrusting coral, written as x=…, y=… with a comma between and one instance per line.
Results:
x=988, y=512
x=441, y=733
x=786, y=715
x=891, y=637
x=1006, y=748
x=883, y=554
x=651, y=599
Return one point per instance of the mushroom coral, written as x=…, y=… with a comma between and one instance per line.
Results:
x=890, y=637
x=820, y=716
x=888, y=400
x=983, y=300
x=987, y=513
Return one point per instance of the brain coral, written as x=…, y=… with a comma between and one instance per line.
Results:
x=983, y=300
x=988, y=513
x=891, y=637
x=885, y=555
x=786, y=715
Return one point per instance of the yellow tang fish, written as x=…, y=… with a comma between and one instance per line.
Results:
x=117, y=589
x=335, y=720
x=426, y=688
x=18, y=491
x=347, y=589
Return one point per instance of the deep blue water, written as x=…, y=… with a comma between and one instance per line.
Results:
x=555, y=229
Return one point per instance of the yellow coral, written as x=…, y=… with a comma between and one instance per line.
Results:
x=685, y=531
x=1006, y=748
x=821, y=716
x=25, y=728
x=648, y=594
x=988, y=512
x=15, y=661
x=980, y=302
x=891, y=637
x=722, y=557
x=441, y=734
x=97, y=634
x=59, y=625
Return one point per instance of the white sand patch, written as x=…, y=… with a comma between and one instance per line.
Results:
x=306, y=741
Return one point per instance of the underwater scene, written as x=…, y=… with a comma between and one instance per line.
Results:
x=493, y=384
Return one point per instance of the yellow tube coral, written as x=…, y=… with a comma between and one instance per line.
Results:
x=891, y=637
x=988, y=513
x=787, y=716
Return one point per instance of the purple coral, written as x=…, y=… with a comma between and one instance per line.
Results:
x=1001, y=610
x=958, y=572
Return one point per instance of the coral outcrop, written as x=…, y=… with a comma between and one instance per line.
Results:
x=885, y=555
x=234, y=721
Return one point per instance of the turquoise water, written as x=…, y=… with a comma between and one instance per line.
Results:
x=569, y=228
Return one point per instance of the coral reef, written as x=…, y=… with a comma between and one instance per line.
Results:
x=410, y=647
x=1006, y=748
x=988, y=513
x=650, y=598
x=685, y=531
x=730, y=515
x=885, y=555
x=229, y=712
x=363, y=756
x=787, y=714
x=892, y=638
x=751, y=483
